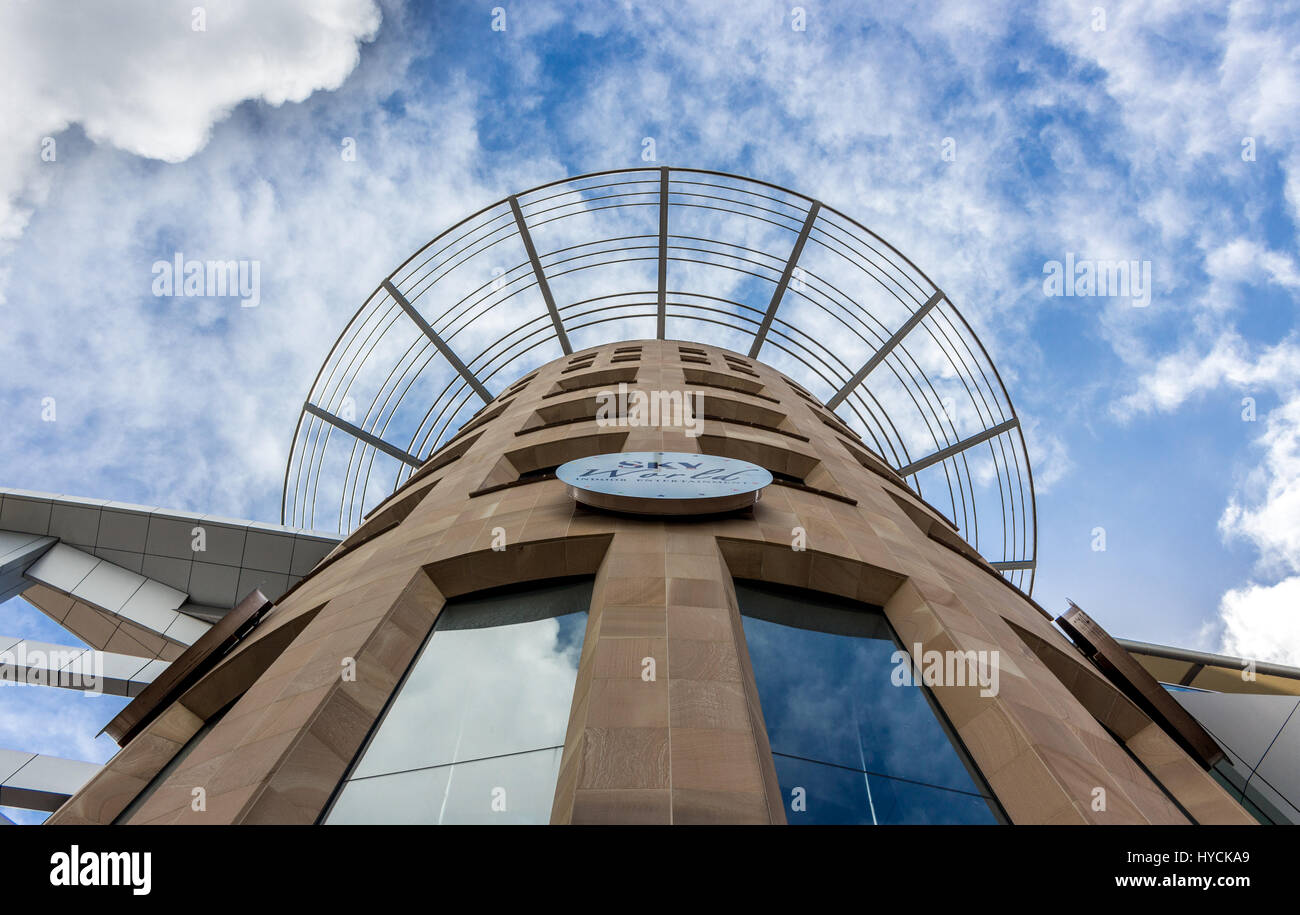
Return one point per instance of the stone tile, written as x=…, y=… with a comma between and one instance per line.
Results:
x=633, y=622
x=1027, y=789
x=709, y=624
x=694, y=807
x=624, y=758
x=628, y=704
x=625, y=806
x=708, y=704
x=624, y=658
x=694, y=659
x=715, y=760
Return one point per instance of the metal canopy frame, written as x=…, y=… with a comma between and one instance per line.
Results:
x=843, y=313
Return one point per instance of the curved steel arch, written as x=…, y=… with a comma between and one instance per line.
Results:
x=842, y=311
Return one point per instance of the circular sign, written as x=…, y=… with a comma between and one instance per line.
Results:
x=663, y=482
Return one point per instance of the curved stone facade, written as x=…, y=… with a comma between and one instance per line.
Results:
x=689, y=746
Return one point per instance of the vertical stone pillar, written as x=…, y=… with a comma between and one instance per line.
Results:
x=665, y=726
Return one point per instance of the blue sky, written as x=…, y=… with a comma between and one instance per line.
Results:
x=1121, y=141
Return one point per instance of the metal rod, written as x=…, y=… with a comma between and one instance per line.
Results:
x=1209, y=660
x=888, y=347
x=447, y=352
x=542, y=284
x=1013, y=565
x=662, y=320
x=359, y=433
x=959, y=447
x=779, y=292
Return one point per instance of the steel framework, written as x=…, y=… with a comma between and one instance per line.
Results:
x=670, y=253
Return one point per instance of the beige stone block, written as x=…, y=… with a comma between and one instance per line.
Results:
x=695, y=659
x=708, y=704
x=623, y=807
x=624, y=758
x=637, y=591
x=992, y=737
x=696, y=592
x=715, y=760
x=695, y=807
x=633, y=622
x=624, y=658
x=1028, y=790
x=699, y=623
x=629, y=704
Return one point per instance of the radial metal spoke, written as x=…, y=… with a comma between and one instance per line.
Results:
x=447, y=352
x=888, y=347
x=1014, y=565
x=959, y=447
x=779, y=292
x=542, y=283
x=359, y=433
x=662, y=320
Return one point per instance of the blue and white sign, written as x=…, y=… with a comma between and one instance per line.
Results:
x=664, y=482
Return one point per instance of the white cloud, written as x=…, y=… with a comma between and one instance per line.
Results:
x=190, y=403
x=1267, y=511
x=139, y=77
x=1187, y=83
x=1181, y=376
x=1049, y=456
x=1263, y=621
x=1244, y=261
x=1256, y=620
x=1193, y=79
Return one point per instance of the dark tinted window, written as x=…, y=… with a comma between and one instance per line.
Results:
x=849, y=745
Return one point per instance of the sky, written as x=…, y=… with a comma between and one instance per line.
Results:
x=984, y=141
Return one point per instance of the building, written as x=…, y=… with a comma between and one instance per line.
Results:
x=552, y=596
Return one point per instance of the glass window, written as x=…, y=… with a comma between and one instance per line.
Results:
x=849, y=745
x=475, y=732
